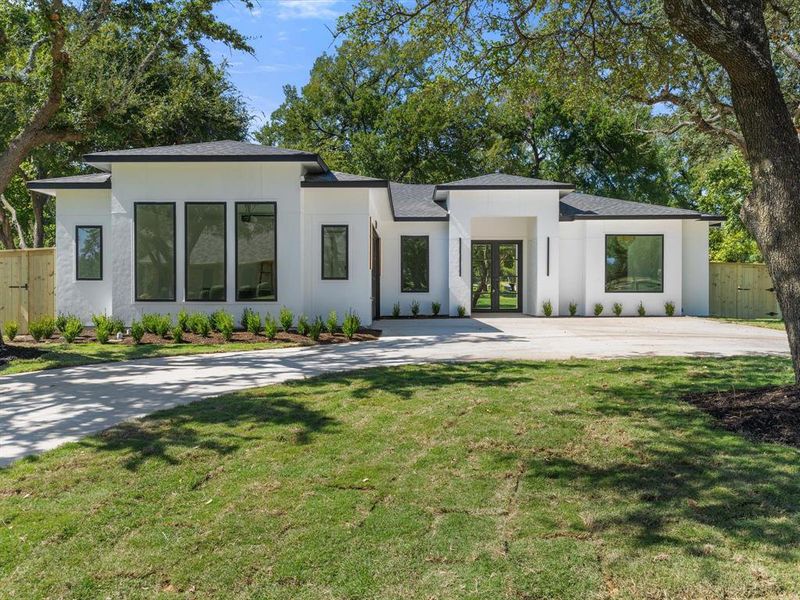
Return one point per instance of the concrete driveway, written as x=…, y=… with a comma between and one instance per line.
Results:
x=42, y=410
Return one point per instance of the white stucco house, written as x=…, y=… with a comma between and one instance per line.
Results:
x=231, y=224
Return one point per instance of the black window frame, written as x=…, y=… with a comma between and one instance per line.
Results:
x=427, y=287
x=346, y=252
x=605, y=263
x=78, y=255
x=236, y=249
x=186, y=249
x=174, y=253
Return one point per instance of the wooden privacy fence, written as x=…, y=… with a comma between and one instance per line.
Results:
x=742, y=291
x=27, y=285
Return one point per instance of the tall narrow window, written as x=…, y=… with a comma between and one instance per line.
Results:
x=634, y=263
x=256, y=258
x=414, y=261
x=205, y=251
x=154, y=236
x=89, y=252
x=334, y=252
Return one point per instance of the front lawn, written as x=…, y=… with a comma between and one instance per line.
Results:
x=573, y=479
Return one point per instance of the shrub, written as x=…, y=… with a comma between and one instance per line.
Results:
x=287, y=318
x=573, y=309
x=315, y=329
x=253, y=323
x=177, y=334
x=414, y=308
x=11, y=328
x=223, y=322
x=72, y=329
x=245, y=316
x=462, y=311
x=642, y=312
x=435, y=308
x=270, y=327
x=217, y=318
x=200, y=324
x=115, y=325
x=350, y=325
x=102, y=332
x=617, y=308
x=149, y=322
x=396, y=310
x=332, y=322
x=42, y=329
x=183, y=320
x=163, y=325
x=97, y=320
x=137, y=331
x=598, y=309
x=61, y=322
x=302, y=325
x=547, y=308
x=669, y=308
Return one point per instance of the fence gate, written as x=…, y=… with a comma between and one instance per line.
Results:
x=742, y=291
x=26, y=285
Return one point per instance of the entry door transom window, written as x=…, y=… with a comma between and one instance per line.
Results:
x=496, y=276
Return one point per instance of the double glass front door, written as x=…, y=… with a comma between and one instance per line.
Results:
x=496, y=276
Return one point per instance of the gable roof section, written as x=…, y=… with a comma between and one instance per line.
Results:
x=339, y=179
x=88, y=181
x=501, y=181
x=222, y=151
x=414, y=202
x=577, y=206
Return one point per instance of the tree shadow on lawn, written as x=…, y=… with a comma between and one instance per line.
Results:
x=682, y=467
x=244, y=417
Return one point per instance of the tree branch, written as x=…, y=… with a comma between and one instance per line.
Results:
x=14, y=220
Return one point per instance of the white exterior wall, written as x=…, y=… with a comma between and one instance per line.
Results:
x=469, y=210
x=695, y=268
x=584, y=257
x=326, y=206
x=207, y=182
x=390, y=231
x=82, y=298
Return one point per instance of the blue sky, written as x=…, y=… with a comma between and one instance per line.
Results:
x=287, y=35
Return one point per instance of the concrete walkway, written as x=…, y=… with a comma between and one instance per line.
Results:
x=42, y=410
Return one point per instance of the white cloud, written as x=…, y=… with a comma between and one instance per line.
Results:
x=307, y=9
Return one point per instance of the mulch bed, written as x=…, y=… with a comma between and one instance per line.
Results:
x=242, y=337
x=9, y=353
x=770, y=414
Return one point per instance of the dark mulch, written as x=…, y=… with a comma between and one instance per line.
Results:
x=9, y=353
x=770, y=414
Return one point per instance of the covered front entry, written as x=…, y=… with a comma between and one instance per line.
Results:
x=496, y=276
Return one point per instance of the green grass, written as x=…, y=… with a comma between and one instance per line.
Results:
x=766, y=323
x=72, y=355
x=573, y=479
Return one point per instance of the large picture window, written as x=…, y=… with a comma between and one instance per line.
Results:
x=154, y=238
x=205, y=251
x=414, y=263
x=334, y=251
x=89, y=252
x=256, y=244
x=635, y=263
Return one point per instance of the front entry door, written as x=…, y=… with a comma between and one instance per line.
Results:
x=376, y=275
x=496, y=276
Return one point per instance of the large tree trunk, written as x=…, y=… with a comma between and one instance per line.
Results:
x=736, y=37
x=38, y=202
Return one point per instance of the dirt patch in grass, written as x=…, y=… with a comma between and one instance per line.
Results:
x=9, y=352
x=769, y=414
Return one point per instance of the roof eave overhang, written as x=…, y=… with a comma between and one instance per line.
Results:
x=548, y=186
x=694, y=217
x=378, y=183
x=422, y=219
x=50, y=188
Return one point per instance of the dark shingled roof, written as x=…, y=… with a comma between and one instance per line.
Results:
x=414, y=202
x=503, y=181
x=587, y=206
x=339, y=179
x=73, y=182
x=224, y=151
